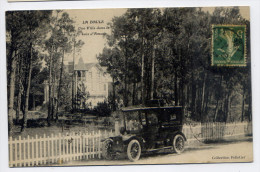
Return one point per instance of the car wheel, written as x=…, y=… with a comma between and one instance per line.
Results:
x=133, y=150
x=107, y=150
x=178, y=144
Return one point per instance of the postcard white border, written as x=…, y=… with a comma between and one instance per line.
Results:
x=255, y=56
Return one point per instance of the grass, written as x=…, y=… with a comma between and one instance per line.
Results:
x=37, y=125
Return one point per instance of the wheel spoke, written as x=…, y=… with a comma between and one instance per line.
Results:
x=178, y=144
x=134, y=150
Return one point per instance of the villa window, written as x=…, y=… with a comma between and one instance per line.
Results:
x=79, y=75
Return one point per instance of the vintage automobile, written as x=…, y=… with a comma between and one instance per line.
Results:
x=146, y=129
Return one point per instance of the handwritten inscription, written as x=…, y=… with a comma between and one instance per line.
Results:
x=93, y=28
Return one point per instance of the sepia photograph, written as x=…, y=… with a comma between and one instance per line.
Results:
x=129, y=86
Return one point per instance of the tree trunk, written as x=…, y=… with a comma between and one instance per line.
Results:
x=227, y=106
x=50, y=89
x=152, y=72
x=114, y=94
x=249, y=110
x=193, y=98
x=204, y=97
x=184, y=88
x=203, y=93
x=18, y=104
x=59, y=89
x=206, y=104
x=198, y=103
x=125, y=77
x=73, y=76
x=216, y=111
x=176, y=89
x=134, y=93
x=27, y=91
x=20, y=90
x=142, y=70
x=11, y=90
x=217, y=105
x=53, y=95
x=243, y=104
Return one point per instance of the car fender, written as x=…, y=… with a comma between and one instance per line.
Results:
x=177, y=132
x=128, y=138
x=103, y=140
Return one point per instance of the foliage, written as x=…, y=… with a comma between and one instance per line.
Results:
x=30, y=33
x=168, y=52
x=103, y=109
x=81, y=96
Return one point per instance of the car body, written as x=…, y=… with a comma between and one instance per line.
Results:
x=146, y=129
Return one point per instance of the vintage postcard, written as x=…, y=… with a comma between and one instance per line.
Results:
x=35, y=0
x=129, y=86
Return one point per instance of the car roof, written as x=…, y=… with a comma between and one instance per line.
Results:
x=129, y=109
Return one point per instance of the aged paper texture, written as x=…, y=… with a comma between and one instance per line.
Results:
x=129, y=86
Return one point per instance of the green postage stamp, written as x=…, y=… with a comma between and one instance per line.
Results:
x=228, y=45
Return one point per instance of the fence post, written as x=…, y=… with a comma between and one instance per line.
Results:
x=93, y=144
x=20, y=150
x=30, y=158
x=40, y=149
x=87, y=144
x=99, y=144
x=71, y=151
x=15, y=153
x=44, y=149
x=10, y=151
x=83, y=145
x=48, y=149
x=52, y=147
x=36, y=144
x=59, y=152
x=80, y=145
x=68, y=146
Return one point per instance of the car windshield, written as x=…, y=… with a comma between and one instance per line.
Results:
x=132, y=121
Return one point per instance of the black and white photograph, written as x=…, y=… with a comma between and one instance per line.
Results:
x=129, y=86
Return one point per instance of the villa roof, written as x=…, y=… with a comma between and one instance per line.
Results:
x=87, y=66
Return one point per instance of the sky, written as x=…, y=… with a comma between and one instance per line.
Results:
x=94, y=44
x=93, y=18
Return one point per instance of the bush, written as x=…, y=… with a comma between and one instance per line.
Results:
x=103, y=109
x=44, y=107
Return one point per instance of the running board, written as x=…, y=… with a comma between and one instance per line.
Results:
x=150, y=150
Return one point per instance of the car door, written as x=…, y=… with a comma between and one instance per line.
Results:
x=150, y=129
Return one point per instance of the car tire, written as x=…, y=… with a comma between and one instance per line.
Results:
x=133, y=150
x=178, y=144
x=107, y=150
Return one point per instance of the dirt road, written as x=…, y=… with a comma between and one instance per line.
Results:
x=221, y=152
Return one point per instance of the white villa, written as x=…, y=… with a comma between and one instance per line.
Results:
x=91, y=78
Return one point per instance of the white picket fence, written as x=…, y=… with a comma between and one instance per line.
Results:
x=42, y=150
x=217, y=131
x=35, y=151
